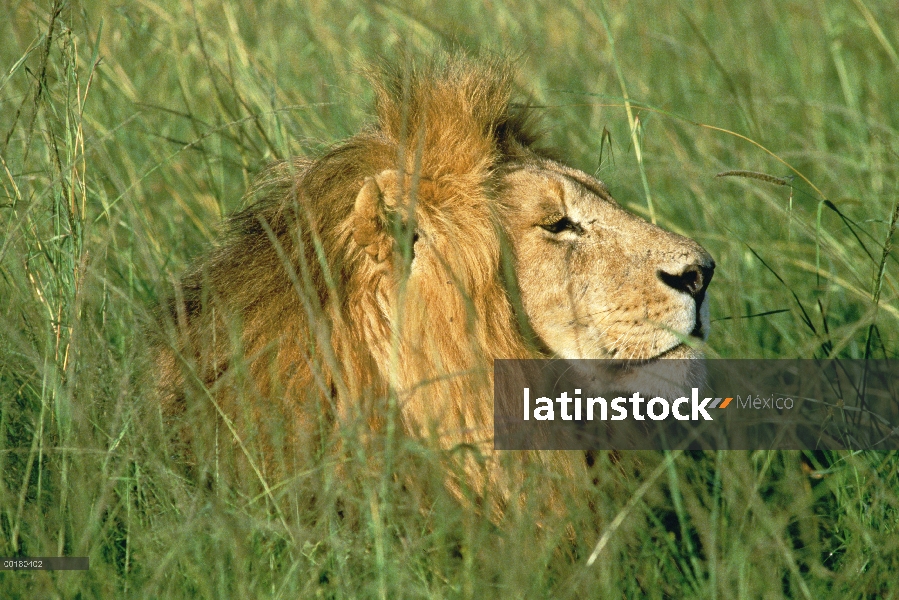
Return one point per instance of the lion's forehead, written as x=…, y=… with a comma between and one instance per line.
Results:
x=547, y=188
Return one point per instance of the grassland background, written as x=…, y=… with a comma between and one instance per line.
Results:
x=127, y=130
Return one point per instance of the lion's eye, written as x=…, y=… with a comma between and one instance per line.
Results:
x=560, y=225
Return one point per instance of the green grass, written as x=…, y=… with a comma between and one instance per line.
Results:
x=128, y=130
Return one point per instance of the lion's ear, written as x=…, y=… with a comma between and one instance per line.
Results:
x=369, y=222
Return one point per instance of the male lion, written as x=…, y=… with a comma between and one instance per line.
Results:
x=399, y=264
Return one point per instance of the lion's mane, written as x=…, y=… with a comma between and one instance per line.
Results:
x=302, y=310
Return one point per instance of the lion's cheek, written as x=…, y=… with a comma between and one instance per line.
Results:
x=570, y=330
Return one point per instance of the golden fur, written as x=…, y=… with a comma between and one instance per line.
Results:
x=408, y=257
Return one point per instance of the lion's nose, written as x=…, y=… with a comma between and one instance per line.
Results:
x=692, y=279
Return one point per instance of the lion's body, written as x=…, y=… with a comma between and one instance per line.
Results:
x=409, y=257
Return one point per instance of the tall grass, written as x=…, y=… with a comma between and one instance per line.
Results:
x=128, y=130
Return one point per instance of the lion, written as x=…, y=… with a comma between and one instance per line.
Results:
x=388, y=273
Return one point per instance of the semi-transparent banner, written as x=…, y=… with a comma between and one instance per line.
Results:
x=713, y=404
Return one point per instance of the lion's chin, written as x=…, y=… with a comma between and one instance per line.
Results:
x=681, y=351
x=652, y=376
x=660, y=376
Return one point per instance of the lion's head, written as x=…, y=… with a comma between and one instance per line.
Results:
x=414, y=253
x=597, y=281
